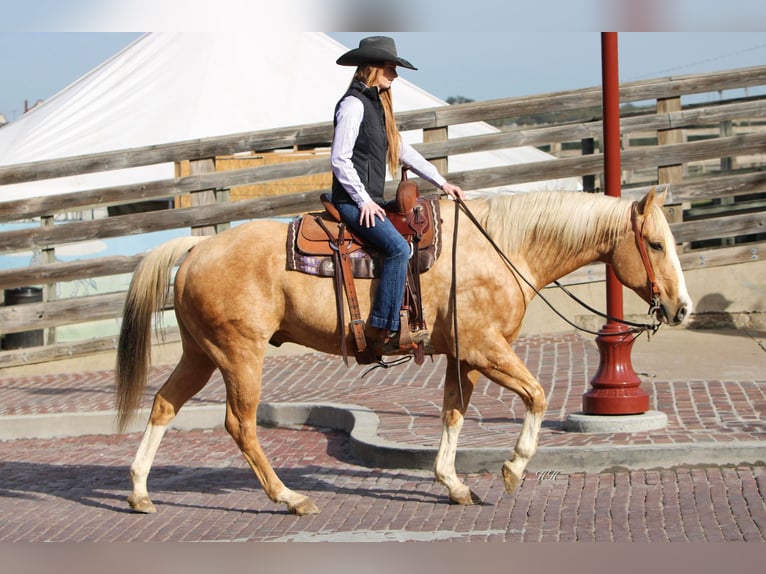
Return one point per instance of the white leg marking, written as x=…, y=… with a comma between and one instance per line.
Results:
x=526, y=445
x=444, y=466
x=142, y=463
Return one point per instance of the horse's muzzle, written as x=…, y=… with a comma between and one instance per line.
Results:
x=672, y=319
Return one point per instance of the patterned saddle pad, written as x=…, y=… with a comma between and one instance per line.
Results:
x=308, y=247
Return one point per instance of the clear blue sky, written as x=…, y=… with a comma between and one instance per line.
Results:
x=36, y=65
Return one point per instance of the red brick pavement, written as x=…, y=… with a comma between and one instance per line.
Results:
x=74, y=489
x=408, y=398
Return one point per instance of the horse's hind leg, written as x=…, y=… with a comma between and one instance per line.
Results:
x=243, y=390
x=456, y=399
x=186, y=380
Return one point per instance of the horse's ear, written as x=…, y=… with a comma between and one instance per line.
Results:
x=651, y=198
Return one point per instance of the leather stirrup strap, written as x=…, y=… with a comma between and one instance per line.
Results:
x=338, y=284
x=415, y=301
x=364, y=355
x=417, y=298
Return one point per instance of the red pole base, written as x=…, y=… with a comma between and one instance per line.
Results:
x=615, y=386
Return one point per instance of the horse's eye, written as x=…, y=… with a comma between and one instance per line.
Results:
x=656, y=246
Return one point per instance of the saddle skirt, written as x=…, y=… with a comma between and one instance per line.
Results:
x=310, y=251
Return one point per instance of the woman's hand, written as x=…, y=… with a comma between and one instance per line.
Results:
x=368, y=213
x=453, y=191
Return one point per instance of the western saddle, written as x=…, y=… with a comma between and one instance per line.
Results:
x=324, y=235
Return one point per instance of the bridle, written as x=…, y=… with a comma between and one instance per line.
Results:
x=639, y=233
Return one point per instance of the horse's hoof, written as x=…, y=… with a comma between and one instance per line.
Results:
x=304, y=507
x=467, y=499
x=511, y=480
x=141, y=504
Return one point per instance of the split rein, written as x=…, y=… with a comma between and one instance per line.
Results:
x=635, y=328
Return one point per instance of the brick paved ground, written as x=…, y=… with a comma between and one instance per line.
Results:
x=74, y=489
x=408, y=398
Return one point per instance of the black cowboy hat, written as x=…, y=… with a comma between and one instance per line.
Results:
x=374, y=49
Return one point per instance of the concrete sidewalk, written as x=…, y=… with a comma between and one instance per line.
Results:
x=689, y=354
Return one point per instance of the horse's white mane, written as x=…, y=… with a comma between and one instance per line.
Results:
x=564, y=221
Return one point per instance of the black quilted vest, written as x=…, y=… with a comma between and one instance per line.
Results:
x=369, y=156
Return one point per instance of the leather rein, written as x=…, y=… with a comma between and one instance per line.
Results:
x=636, y=328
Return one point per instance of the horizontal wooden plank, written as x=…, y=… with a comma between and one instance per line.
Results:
x=317, y=135
x=321, y=133
x=102, y=197
x=642, y=90
x=702, y=259
x=268, y=207
x=699, y=259
x=138, y=223
x=706, y=188
x=44, y=354
x=719, y=227
x=71, y=311
x=68, y=271
x=30, y=316
x=675, y=154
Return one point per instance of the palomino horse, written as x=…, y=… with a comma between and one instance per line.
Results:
x=233, y=296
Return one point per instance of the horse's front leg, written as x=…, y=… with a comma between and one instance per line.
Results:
x=512, y=374
x=453, y=411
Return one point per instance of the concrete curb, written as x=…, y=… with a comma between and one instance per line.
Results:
x=650, y=420
x=362, y=426
x=62, y=425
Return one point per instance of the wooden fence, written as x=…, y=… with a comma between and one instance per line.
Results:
x=712, y=153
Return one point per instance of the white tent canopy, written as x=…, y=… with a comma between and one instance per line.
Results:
x=170, y=87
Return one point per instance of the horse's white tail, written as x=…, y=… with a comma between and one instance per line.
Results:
x=146, y=295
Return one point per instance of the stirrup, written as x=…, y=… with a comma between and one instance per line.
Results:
x=393, y=344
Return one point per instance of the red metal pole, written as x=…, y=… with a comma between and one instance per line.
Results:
x=615, y=387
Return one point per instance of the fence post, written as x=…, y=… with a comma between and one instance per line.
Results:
x=726, y=130
x=672, y=173
x=431, y=135
x=49, y=290
x=588, y=147
x=204, y=196
x=727, y=164
x=669, y=173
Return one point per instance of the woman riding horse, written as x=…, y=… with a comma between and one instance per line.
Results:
x=365, y=139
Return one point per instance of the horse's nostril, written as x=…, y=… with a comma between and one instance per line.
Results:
x=681, y=315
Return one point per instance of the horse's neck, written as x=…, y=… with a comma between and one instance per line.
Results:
x=549, y=266
x=553, y=236
x=551, y=258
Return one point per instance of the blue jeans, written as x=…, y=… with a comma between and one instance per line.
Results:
x=390, y=291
